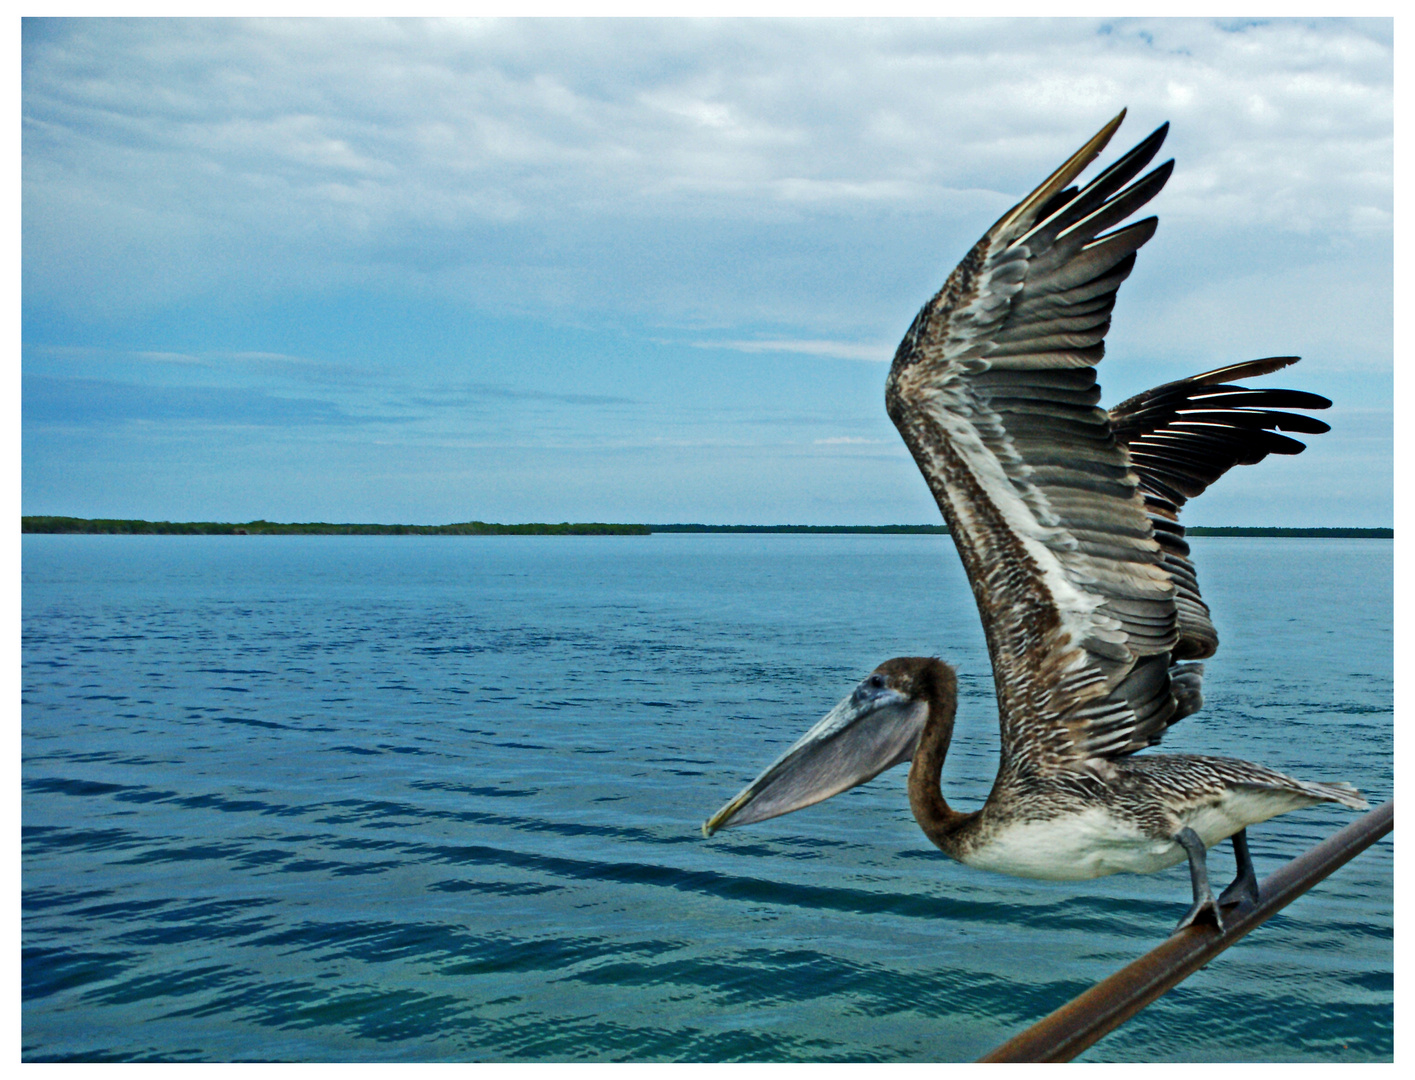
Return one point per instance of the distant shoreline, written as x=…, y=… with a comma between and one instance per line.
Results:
x=136, y=527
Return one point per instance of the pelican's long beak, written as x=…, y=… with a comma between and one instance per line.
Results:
x=870, y=731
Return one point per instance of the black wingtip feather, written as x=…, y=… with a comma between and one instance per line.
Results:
x=1060, y=214
x=1248, y=369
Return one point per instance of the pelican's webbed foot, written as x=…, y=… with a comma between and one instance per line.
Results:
x=1246, y=883
x=1204, y=908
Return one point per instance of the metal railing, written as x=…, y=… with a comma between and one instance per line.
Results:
x=1111, y=1002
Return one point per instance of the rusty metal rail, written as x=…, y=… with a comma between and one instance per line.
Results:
x=1111, y=1002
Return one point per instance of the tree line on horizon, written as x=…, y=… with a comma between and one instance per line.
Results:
x=136, y=526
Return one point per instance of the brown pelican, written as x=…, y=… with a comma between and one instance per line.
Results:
x=1066, y=518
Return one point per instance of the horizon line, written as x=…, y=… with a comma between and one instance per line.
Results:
x=61, y=524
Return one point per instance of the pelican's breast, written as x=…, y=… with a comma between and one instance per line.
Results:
x=1072, y=846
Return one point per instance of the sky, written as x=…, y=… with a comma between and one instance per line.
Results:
x=651, y=271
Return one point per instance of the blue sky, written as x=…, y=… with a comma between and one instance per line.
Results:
x=650, y=270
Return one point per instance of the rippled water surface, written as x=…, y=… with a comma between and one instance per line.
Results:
x=438, y=798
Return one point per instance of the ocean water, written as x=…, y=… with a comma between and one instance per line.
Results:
x=438, y=798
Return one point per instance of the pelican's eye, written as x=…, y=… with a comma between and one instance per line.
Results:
x=868, y=689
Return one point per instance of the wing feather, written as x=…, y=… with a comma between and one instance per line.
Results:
x=1065, y=515
x=993, y=389
x=1183, y=436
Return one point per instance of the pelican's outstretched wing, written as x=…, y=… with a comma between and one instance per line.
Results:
x=1183, y=436
x=994, y=391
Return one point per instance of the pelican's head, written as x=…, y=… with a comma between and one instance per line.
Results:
x=875, y=728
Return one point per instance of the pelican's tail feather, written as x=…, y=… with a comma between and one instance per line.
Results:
x=1337, y=791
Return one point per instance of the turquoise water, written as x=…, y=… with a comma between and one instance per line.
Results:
x=437, y=798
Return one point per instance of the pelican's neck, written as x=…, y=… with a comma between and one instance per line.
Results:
x=940, y=822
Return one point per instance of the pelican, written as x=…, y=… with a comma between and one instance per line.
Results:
x=1066, y=517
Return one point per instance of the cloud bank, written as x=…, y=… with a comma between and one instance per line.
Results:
x=265, y=155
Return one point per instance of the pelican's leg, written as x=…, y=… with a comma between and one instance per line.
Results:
x=1246, y=883
x=1204, y=908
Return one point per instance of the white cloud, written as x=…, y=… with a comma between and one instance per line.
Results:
x=841, y=350
x=170, y=357
x=327, y=152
